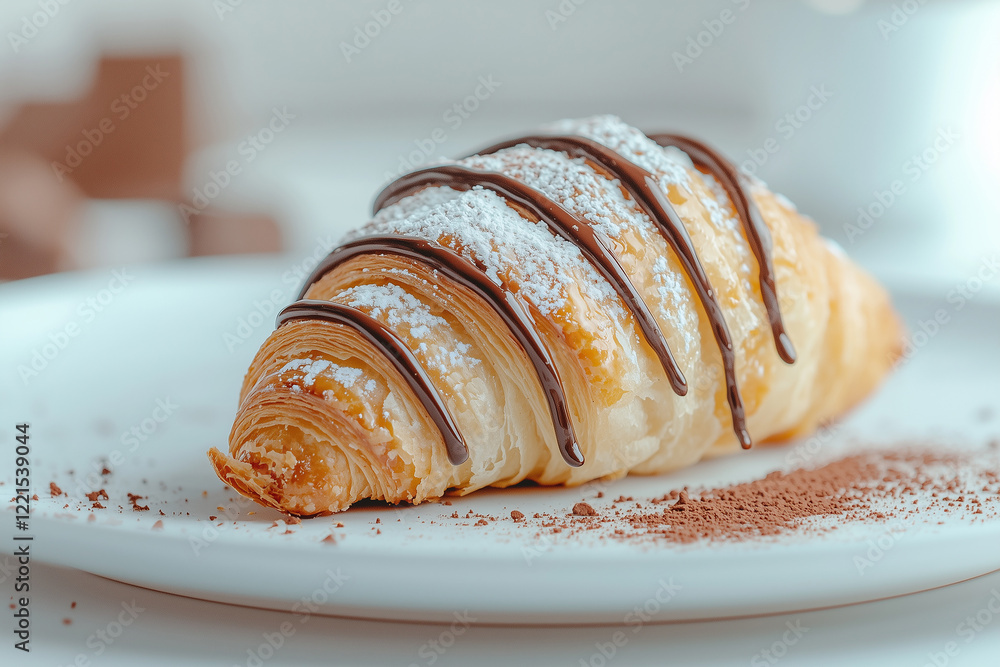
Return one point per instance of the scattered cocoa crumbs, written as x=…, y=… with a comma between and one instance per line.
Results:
x=161, y=513
x=158, y=525
x=134, y=499
x=292, y=520
x=97, y=506
x=339, y=524
x=105, y=472
x=67, y=621
x=915, y=485
x=211, y=517
x=517, y=516
x=446, y=502
x=682, y=501
x=54, y=490
x=329, y=539
x=72, y=605
x=99, y=494
x=34, y=496
x=482, y=522
x=600, y=494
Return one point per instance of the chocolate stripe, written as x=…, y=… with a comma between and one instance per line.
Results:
x=506, y=304
x=645, y=190
x=758, y=235
x=575, y=230
x=395, y=351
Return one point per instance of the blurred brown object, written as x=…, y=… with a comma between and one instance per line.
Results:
x=36, y=216
x=126, y=138
x=218, y=232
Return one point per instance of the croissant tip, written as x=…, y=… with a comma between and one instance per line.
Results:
x=236, y=475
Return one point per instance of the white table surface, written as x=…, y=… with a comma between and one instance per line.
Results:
x=173, y=631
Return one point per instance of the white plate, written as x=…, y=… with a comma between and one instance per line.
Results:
x=167, y=337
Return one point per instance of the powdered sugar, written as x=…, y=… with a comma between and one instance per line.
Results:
x=631, y=144
x=571, y=183
x=393, y=305
x=407, y=315
x=671, y=290
x=785, y=201
x=312, y=368
x=486, y=230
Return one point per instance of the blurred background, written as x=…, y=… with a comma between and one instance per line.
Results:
x=146, y=131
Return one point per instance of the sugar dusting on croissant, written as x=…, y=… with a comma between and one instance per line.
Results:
x=580, y=304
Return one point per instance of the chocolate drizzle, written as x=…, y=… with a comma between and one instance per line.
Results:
x=504, y=302
x=395, y=351
x=575, y=230
x=644, y=189
x=758, y=236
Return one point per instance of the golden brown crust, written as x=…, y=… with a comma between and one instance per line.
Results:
x=325, y=421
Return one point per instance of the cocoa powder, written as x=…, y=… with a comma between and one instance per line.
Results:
x=877, y=486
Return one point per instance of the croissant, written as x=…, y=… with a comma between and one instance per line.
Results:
x=584, y=303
